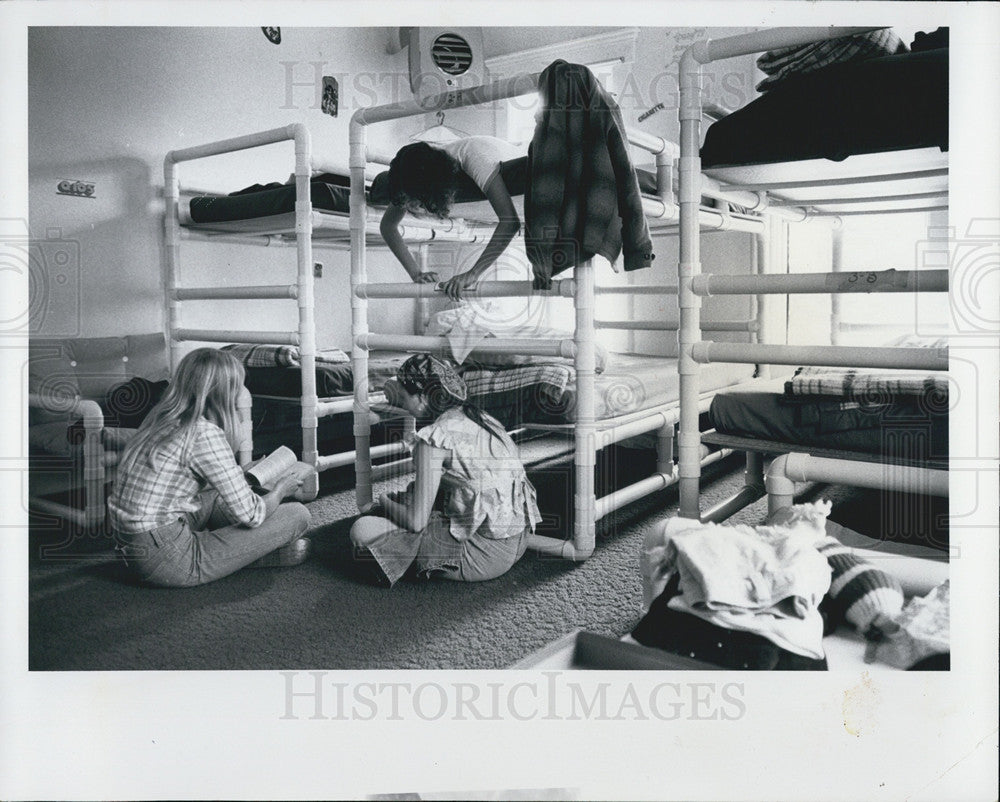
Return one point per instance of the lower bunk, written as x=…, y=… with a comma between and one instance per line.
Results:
x=886, y=431
x=539, y=395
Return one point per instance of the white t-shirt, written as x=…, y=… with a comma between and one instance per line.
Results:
x=480, y=156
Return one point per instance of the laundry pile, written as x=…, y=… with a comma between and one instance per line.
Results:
x=758, y=597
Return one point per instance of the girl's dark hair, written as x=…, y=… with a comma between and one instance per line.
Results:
x=422, y=178
x=444, y=389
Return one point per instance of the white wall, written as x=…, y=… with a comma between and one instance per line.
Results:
x=106, y=104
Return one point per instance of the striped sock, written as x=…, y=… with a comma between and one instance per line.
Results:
x=859, y=591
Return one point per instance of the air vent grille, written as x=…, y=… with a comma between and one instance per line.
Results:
x=451, y=54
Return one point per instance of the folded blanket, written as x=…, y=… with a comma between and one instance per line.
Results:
x=786, y=62
x=485, y=382
x=869, y=385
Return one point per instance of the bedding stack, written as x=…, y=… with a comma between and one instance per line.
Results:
x=763, y=597
x=900, y=415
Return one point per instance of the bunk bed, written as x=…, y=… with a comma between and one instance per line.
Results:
x=854, y=138
x=304, y=215
x=594, y=426
x=311, y=213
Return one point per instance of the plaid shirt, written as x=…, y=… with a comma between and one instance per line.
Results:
x=147, y=497
x=582, y=195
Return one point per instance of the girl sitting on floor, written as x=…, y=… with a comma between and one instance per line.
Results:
x=488, y=508
x=181, y=510
x=423, y=178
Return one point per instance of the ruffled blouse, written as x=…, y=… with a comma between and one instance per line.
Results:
x=486, y=489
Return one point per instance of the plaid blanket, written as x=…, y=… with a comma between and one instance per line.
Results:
x=782, y=64
x=867, y=385
x=280, y=356
x=581, y=196
x=484, y=382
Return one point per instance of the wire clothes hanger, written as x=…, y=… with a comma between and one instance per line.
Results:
x=439, y=132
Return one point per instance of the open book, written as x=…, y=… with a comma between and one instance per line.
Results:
x=279, y=463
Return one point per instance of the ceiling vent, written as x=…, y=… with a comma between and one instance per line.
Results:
x=442, y=60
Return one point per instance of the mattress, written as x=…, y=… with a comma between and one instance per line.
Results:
x=332, y=380
x=903, y=430
x=541, y=393
x=330, y=193
x=882, y=104
x=635, y=382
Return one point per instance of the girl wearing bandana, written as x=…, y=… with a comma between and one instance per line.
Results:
x=469, y=512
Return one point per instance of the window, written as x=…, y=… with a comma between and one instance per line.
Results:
x=606, y=54
x=521, y=111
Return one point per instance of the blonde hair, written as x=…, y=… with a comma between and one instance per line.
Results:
x=206, y=384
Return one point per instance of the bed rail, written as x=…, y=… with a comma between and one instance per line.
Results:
x=304, y=338
x=693, y=285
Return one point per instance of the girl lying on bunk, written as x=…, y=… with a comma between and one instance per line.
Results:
x=181, y=509
x=488, y=507
x=423, y=178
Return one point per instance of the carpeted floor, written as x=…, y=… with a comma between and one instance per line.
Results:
x=86, y=614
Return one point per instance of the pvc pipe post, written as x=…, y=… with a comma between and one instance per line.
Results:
x=823, y=283
x=584, y=362
x=828, y=355
x=359, y=312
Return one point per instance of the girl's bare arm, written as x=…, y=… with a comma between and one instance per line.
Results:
x=506, y=230
x=389, y=228
x=414, y=515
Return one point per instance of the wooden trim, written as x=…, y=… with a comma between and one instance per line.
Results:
x=589, y=49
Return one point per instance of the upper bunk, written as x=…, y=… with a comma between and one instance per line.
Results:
x=270, y=208
x=844, y=126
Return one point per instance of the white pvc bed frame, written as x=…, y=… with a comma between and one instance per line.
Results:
x=308, y=228
x=303, y=230
x=589, y=434
x=787, y=469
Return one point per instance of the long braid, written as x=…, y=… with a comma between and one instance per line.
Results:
x=476, y=415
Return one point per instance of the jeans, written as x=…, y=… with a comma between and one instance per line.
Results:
x=434, y=550
x=204, y=546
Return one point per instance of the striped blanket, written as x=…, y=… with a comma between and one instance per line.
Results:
x=484, y=382
x=782, y=64
x=867, y=385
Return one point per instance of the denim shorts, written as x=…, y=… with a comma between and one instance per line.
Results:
x=436, y=553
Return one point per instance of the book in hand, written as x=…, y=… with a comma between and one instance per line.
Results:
x=281, y=462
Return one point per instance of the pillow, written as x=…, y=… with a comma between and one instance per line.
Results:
x=780, y=65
